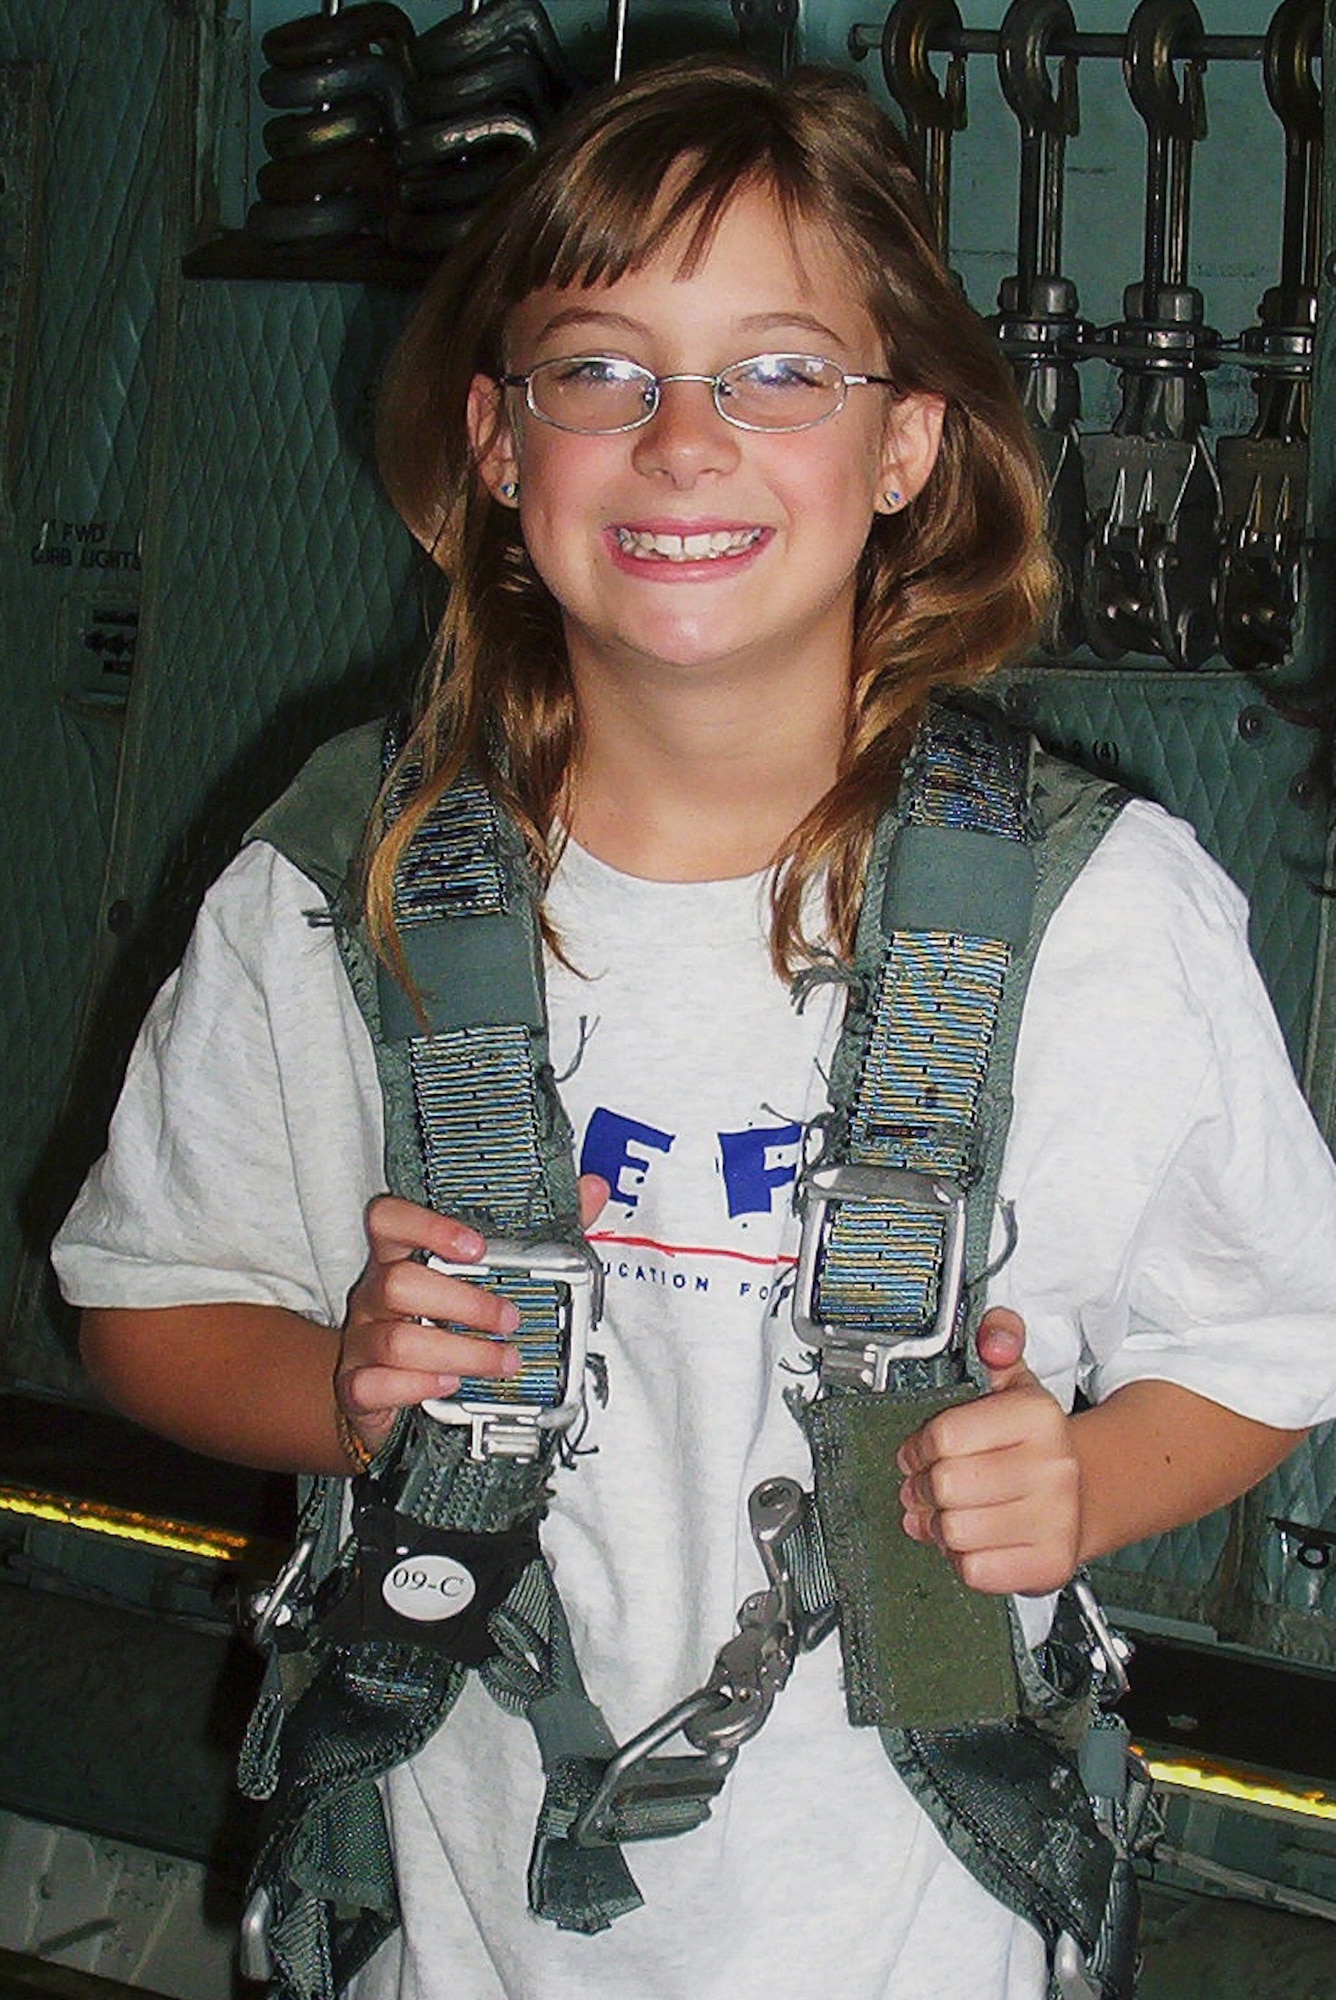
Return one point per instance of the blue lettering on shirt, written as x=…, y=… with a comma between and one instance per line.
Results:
x=751, y=1174
x=608, y=1140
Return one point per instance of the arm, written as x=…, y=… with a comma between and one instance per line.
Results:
x=261, y=1385
x=1019, y=1494
x=257, y=1384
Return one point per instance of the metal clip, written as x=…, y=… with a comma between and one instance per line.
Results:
x=1071, y=1976
x=1112, y=1653
x=254, y=1958
x=866, y=1357
x=269, y=1608
x=751, y=1667
x=511, y=1425
x=749, y=1671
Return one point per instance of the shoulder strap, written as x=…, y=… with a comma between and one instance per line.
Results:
x=967, y=867
x=319, y=821
x=967, y=870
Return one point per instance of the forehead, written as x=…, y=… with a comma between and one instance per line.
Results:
x=759, y=272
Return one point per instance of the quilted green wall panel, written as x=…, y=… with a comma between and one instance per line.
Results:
x=96, y=164
x=217, y=434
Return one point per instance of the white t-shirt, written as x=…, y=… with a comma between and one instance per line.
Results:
x=1177, y=1218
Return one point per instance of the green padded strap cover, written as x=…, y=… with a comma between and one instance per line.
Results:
x=920, y=1648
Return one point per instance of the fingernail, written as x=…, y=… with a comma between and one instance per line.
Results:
x=509, y=1317
x=510, y=1361
x=471, y=1244
x=447, y=1384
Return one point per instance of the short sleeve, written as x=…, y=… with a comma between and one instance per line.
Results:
x=247, y=1138
x=1175, y=1204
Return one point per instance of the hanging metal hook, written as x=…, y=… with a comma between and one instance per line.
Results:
x=910, y=28
x=1048, y=117
x=1293, y=44
x=932, y=111
x=1160, y=33
x=1028, y=29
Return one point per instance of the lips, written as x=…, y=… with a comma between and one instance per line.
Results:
x=701, y=545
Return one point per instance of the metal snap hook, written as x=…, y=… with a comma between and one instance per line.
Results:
x=910, y=27
x=1028, y=30
x=1293, y=44
x=1160, y=33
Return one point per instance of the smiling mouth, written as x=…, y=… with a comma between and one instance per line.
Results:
x=709, y=547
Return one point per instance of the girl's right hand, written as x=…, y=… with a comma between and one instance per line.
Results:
x=388, y=1357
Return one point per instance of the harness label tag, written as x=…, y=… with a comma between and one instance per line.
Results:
x=428, y=1587
x=433, y=1586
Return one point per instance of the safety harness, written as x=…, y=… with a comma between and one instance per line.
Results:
x=429, y=1566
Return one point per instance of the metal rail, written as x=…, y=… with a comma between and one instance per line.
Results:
x=865, y=40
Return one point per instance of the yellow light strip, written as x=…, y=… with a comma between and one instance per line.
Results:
x=124, y=1525
x=1314, y=1804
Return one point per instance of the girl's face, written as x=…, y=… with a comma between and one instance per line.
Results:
x=606, y=519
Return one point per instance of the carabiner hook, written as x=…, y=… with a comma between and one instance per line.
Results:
x=1293, y=44
x=1023, y=40
x=1159, y=33
x=909, y=28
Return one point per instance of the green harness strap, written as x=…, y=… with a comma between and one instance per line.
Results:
x=474, y=1126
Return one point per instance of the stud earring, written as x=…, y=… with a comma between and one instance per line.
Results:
x=510, y=489
x=893, y=500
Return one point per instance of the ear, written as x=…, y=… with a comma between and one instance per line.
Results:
x=492, y=440
x=909, y=452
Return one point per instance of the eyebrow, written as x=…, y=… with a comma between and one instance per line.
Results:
x=594, y=316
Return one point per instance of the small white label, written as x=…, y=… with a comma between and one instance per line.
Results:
x=428, y=1587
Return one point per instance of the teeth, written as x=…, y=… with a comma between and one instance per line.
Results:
x=686, y=548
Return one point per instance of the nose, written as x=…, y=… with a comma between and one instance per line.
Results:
x=686, y=437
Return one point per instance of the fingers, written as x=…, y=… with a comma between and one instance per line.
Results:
x=995, y=1483
x=410, y=1331
x=397, y=1228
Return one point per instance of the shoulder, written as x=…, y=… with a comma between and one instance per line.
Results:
x=1144, y=988
x=263, y=920
x=1150, y=897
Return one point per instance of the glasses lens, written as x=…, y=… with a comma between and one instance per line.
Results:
x=592, y=392
x=781, y=392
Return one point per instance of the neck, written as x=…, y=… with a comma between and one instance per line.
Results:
x=681, y=782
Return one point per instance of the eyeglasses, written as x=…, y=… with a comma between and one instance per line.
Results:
x=598, y=394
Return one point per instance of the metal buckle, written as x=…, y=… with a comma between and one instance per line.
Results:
x=512, y=1428
x=1111, y=1652
x=749, y=1671
x=700, y=1776
x=856, y=1356
x=270, y=1608
x=254, y=1959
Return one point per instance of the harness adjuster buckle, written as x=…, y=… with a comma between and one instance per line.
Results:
x=852, y=1356
x=272, y=1606
x=512, y=1426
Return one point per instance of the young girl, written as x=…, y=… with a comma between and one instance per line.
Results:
x=726, y=478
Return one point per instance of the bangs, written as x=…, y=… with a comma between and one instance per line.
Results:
x=639, y=188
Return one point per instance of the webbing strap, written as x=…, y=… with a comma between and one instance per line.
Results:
x=909, y=1079
x=496, y=1151
x=494, y=1146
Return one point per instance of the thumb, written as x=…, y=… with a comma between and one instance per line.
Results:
x=1001, y=1344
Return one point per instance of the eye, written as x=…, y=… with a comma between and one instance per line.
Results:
x=594, y=371
x=781, y=373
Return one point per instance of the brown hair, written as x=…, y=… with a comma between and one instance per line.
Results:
x=948, y=587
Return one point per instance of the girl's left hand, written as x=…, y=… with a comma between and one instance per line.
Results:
x=996, y=1483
